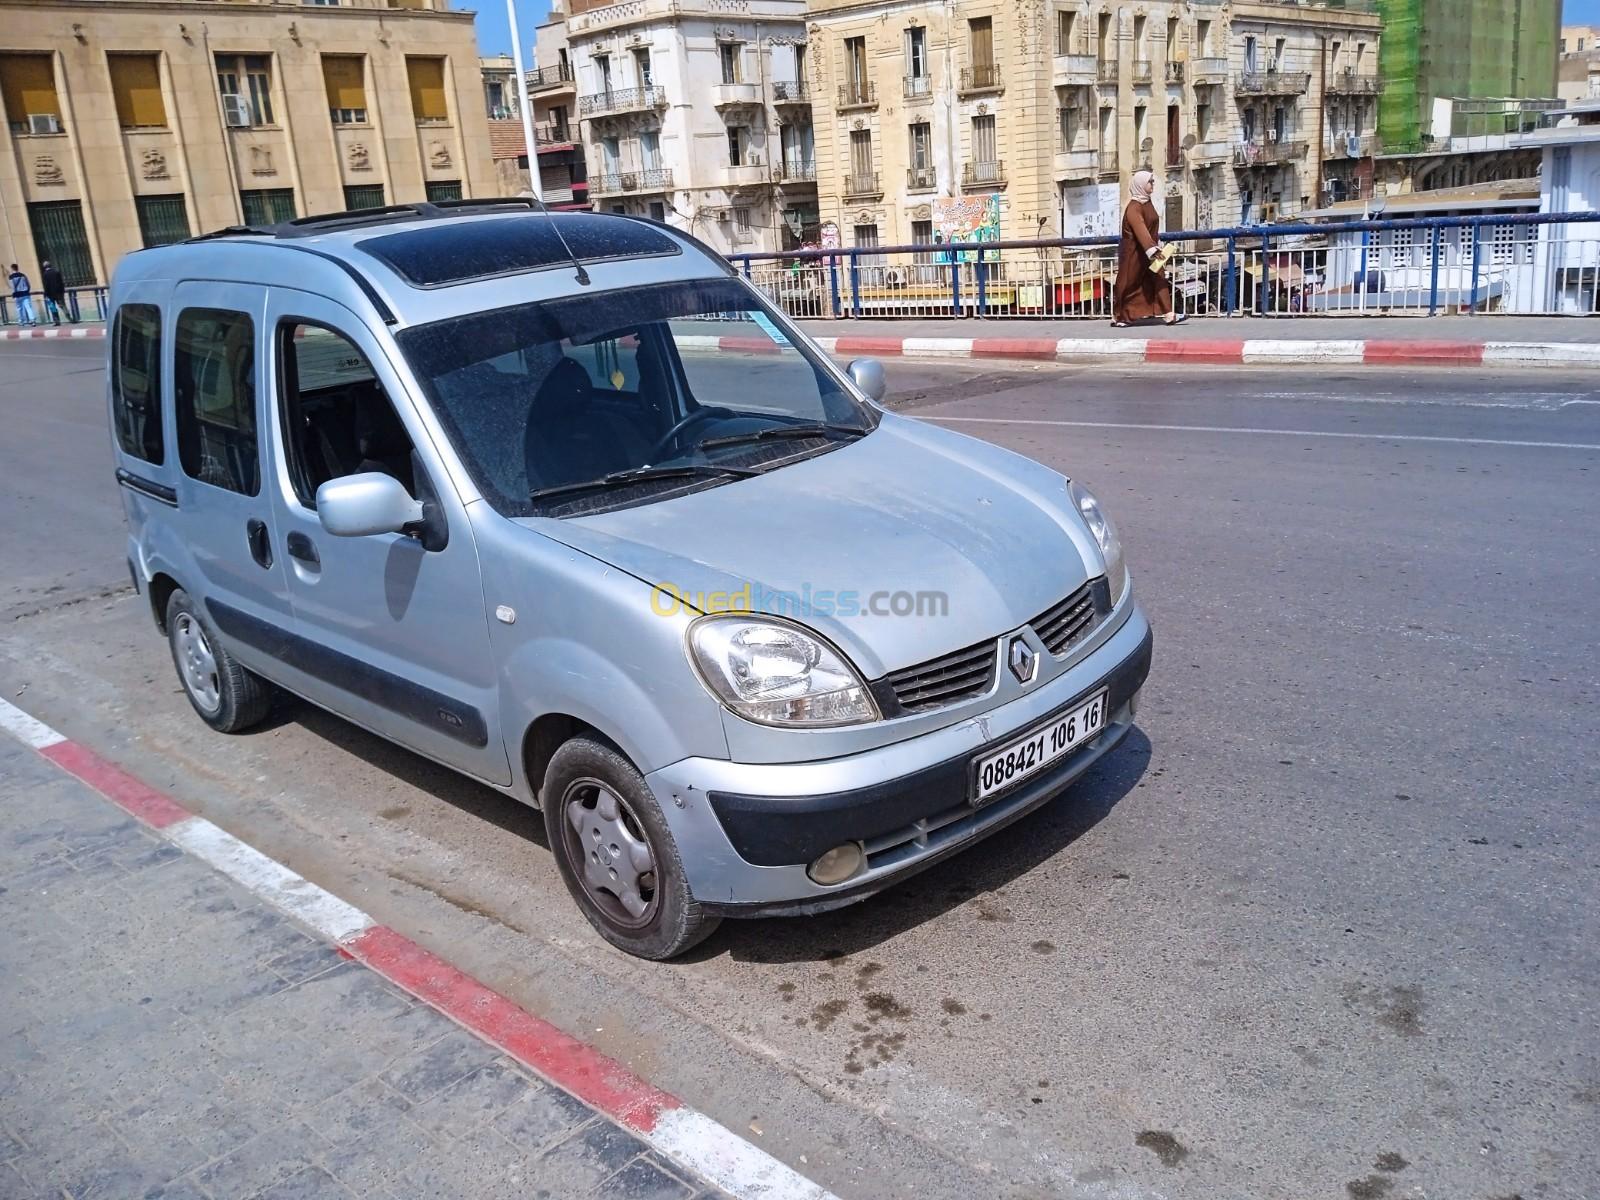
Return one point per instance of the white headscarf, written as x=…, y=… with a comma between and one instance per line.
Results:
x=1142, y=185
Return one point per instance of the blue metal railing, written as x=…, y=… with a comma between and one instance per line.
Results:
x=969, y=274
x=83, y=304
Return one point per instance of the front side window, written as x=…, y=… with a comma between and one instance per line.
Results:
x=136, y=381
x=544, y=401
x=337, y=418
x=214, y=386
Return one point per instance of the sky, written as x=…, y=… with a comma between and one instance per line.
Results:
x=494, y=31
x=1573, y=12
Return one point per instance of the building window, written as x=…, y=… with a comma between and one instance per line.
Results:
x=602, y=73
x=1400, y=248
x=984, y=152
x=267, y=206
x=1174, y=136
x=921, y=138
x=1250, y=55
x=736, y=145
x=214, y=385
x=1066, y=26
x=1068, y=121
x=731, y=53
x=1202, y=38
x=861, y=151
x=364, y=195
x=429, y=105
x=443, y=189
x=162, y=219
x=245, y=82
x=1172, y=39
x=1202, y=122
x=59, y=235
x=741, y=220
x=650, y=150
x=916, y=52
x=344, y=76
x=136, y=88
x=857, y=85
x=658, y=211
x=28, y=86
x=980, y=49
x=642, y=69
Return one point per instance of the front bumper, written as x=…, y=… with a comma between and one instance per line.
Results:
x=745, y=832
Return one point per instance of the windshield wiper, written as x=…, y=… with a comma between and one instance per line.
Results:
x=806, y=429
x=644, y=475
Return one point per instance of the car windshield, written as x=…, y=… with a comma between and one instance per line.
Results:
x=564, y=407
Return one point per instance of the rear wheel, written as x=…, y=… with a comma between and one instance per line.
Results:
x=227, y=697
x=616, y=855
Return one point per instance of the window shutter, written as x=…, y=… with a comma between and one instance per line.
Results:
x=136, y=86
x=342, y=73
x=426, y=76
x=28, y=86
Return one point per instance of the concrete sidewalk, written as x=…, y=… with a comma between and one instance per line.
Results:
x=164, y=1033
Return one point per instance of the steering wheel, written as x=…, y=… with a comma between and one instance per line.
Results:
x=670, y=438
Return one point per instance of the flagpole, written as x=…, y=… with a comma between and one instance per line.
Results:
x=527, y=107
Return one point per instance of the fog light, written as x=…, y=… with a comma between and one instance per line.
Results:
x=838, y=864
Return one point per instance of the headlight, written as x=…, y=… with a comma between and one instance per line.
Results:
x=1105, y=535
x=777, y=673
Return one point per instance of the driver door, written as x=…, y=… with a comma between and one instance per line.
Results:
x=387, y=633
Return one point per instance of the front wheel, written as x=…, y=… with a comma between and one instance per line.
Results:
x=227, y=697
x=616, y=855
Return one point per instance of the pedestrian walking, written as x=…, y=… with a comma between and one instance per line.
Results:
x=55, y=292
x=22, y=293
x=1141, y=291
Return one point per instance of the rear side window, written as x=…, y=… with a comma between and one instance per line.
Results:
x=136, y=381
x=214, y=383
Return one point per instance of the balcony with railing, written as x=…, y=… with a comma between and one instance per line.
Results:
x=983, y=174
x=1348, y=81
x=543, y=79
x=622, y=100
x=857, y=93
x=795, y=172
x=1349, y=146
x=733, y=95
x=1267, y=153
x=1106, y=71
x=1204, y=72
x=743, y=175
x=1076, y=164
x=917, y=87
x=1207, y=153
x=862, y=186
x=1075, y=70
x=1272, y=83
x=981, y=77
x=1143, y=70
x=652, y=179
x=921, y=179
x=793, y=91
x=550, y=136
x=1107, y=160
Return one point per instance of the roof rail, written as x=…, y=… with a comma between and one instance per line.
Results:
x=423, y=210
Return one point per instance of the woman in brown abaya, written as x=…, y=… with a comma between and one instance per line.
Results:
x=1140, y=292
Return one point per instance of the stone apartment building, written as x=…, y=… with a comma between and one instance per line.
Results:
x=129, y=123
x=696, y=112
x=1002, y=119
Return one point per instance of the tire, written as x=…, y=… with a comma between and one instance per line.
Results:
x=638, y=900
x=227, y=697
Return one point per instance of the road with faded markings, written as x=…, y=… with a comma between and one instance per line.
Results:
x=1326, y=926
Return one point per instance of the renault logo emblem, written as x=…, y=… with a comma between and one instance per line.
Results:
x=1024, y=662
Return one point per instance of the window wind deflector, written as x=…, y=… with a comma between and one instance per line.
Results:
x=644, y=475
x=772, y=432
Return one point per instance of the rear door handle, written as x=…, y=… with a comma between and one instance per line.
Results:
x=303, y=548
x=255, y=531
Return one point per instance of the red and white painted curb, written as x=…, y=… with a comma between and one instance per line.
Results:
x=688, y=1137
x=64, y=331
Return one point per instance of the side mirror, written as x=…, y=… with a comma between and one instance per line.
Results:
x=371, y=502
x=867, y=374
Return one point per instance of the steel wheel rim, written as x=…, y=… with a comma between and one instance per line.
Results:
x=197, y=665
x=611, y=853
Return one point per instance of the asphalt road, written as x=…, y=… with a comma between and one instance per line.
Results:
x=1326, y=926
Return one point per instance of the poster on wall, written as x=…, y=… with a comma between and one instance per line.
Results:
x=828, y=235
x=1090, y=210
x=966, y=219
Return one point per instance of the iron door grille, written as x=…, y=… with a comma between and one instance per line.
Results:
x=59, y=235
x=162, y=219
x=363, y=195
x=267, y=206
x=444, y=189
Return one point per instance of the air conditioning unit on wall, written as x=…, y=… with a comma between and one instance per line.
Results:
x=44, y=123
x=235, y=111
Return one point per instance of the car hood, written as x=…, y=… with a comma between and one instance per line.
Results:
x=908, y=511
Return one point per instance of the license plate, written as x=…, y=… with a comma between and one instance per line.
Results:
x=1037, y=749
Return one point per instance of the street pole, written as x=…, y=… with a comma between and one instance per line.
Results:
x=527, y=107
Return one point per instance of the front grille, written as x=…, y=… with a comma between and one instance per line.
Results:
x=945, y=680
x=1060, y=625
